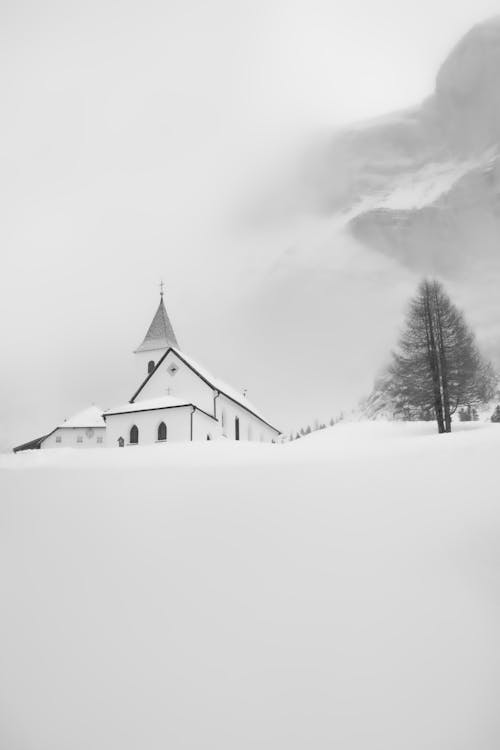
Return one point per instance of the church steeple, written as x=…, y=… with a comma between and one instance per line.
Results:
x=160, y=333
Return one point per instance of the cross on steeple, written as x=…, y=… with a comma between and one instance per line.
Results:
x=161, y=288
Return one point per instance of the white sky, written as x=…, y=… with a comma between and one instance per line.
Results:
x=132, y=135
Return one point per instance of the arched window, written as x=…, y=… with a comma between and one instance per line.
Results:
x=134, y=435
x=151, y=366
x=236, y=428
x=162, y=431
x=209, y=437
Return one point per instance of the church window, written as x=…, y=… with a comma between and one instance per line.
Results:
x=58, y=439
x=236, y=428
x=99, y=439
x=134, y=435
x=209, y=437
x=79, y=439
x=151, y=366
x=162, y=431
x=173, y=368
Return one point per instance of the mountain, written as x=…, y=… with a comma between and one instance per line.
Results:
x=423, y=185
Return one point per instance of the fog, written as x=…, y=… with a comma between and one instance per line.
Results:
x=140, y=142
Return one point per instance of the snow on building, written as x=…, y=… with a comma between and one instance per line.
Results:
x=177, y=400
x=83, y=430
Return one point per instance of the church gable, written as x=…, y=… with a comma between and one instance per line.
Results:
x=174, y=376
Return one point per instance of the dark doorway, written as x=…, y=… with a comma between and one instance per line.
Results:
x=236, y=428
x=134, y=435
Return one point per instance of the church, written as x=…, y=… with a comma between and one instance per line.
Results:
x=176, y=400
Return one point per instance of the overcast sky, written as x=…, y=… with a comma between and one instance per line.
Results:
x=134, y=136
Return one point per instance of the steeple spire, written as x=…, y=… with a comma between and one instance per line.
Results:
x=160, y=333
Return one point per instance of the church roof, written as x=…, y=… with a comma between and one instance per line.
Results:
x=210, y=380
x=160, y=333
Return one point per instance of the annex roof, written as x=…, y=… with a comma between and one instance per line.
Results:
x=162, y=402
x=90, y=417
x=32, y=444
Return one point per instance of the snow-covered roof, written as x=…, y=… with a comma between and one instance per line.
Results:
x=220, y=385
x=213, y=382
x=90, y=417
x=162, y=402
x=160, y=333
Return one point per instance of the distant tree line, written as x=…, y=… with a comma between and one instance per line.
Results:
x=437, y=368
x=317, y=425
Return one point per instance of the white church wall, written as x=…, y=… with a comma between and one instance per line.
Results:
x=251, y=427
x=203, y=426
x=76, y=437
x=183, y=383
x=177, y=420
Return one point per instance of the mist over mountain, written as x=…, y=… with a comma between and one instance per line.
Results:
x=423, y=185
x=376, y=206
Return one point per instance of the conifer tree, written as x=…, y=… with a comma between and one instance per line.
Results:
x=437, y=366
x=495, y=417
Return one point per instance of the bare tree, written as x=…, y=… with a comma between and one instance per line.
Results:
x=437, y=366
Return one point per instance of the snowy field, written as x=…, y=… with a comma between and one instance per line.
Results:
x=340, y=592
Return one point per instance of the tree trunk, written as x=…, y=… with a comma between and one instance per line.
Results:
x=433, y=361
x=443, y=366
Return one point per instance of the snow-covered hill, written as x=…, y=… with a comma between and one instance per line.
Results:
x=339, y=591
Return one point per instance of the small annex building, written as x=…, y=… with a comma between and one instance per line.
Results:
x=175, y=400
x=86, y=429
x=179, y=400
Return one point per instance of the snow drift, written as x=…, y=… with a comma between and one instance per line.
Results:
x=339, y=591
